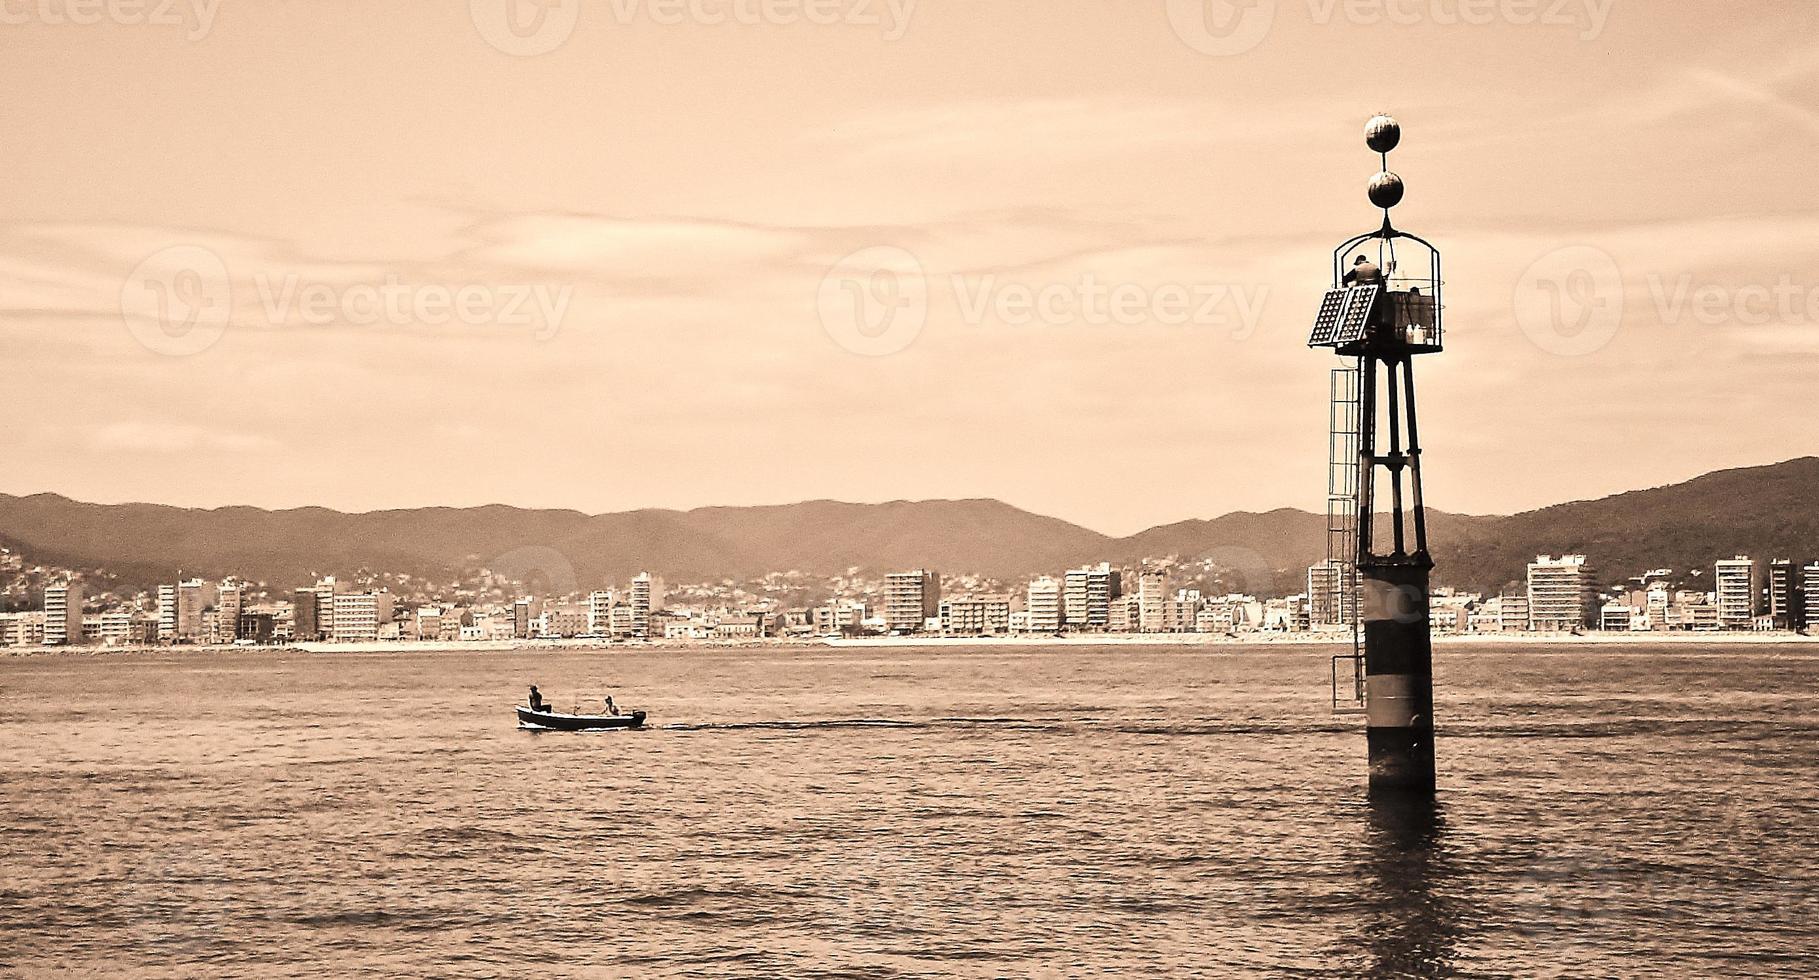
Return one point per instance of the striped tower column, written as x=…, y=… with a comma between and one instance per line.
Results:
x=1399, y=675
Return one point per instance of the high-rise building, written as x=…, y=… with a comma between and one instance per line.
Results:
x=63, y=614
x=599, y=613
x=306, y=615
x=1043, y=603
x=326, y=588
x=1152, y=616
x=1737, y=592
x=1089, y=594
x=1562, y=593
x=194, y=597
x=911, y=599
x=167, y=614
x=1786, y=595
x=229, y=598
x=646, y=598
x=359, y=614
x=1332, y=594
x=1809, y=590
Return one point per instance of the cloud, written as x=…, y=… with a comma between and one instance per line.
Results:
x=171, y=437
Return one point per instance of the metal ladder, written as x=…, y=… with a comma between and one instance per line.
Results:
x=1342, y=531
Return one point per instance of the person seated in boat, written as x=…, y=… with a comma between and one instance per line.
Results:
x=536, y=699
x=611, y=708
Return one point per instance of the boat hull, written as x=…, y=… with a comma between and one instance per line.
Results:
x=553, y=721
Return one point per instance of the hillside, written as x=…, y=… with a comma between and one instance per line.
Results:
x=1763, y=510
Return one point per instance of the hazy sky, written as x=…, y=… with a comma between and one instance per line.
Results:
x=646, y=230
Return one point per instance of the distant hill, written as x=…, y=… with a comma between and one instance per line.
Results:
x=1765, y=511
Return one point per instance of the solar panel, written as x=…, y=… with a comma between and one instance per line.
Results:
x=1326, y=323
x=1359, y=301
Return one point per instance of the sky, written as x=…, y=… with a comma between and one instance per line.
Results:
x=617, y=254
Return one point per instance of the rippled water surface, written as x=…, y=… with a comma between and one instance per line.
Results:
x=1605, y=811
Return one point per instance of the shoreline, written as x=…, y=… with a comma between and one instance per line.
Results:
x=1084, y=640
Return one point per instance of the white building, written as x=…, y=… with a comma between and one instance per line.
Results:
x=911, y=599
x=1332, y=594
x=167, y=614
x=600, y=613
x=1152, y=613
x=1043, y=605
x=358, y=615
x=976, y=615
x=646, y=598
x=1562, y=593
x=1737, y=591
x=1089, y=594
x=63, y=614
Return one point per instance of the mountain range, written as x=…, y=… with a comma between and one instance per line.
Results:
x=1763, y=510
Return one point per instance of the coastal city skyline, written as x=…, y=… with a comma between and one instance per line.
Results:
x=1563, y=594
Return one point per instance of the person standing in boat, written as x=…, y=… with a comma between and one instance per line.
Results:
x=536, y=699
x=611, y=708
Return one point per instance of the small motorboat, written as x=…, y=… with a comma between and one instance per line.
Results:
x=546, y=720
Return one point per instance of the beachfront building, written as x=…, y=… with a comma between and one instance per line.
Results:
x=194, y=597
x=838, y=617
x=306, y=615
x=911, y=599
x=1809, y=590
x=358, y=615
x=1621, y=617
x=1044, y=605
x=976, y=615
x=1331, y=594
x=24, y=629
x=1562, y=593
x=599, y=613
x=564, y=621
x=1089, y=595
x=1786, y=595
x=116, y=627
x=1737, y=591
x=167, y=614
x=63, y=614
x=646, y=597
x=1152, y=614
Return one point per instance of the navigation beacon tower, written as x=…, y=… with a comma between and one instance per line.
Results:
x=1384, y=308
